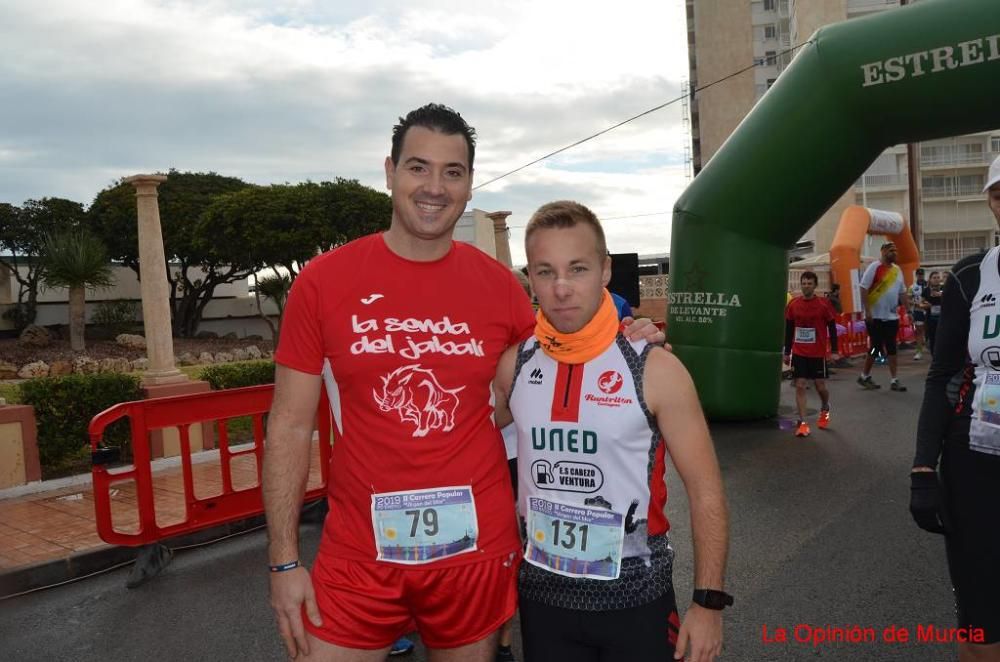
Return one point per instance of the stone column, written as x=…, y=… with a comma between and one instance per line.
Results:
x=155, y=290
x=501, y=235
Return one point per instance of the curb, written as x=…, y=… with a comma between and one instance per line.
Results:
x=81, y=564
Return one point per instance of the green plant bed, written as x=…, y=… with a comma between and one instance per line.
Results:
x=240, y=430
x=236, y=375
x=11, y=393
x=64, y=407
x=192, y=371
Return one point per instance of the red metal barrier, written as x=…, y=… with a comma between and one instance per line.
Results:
x=182, y=412
x=852, y=342
x=855, y=343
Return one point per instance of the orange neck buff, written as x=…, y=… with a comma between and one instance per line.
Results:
x=585, y=344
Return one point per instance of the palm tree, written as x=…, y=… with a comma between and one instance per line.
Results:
x=77, y=260
x=275, y=287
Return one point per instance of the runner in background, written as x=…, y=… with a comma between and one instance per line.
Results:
x=882, y=292
x=809, y=321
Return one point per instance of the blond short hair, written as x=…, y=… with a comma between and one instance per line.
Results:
x=566, y=214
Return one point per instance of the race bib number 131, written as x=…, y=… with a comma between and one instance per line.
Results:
x=575, y=541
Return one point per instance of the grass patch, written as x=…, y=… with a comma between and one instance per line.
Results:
x=192, y=371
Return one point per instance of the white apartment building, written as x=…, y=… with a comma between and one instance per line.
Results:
x=726, y=36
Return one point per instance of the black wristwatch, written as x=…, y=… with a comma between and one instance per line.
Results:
x=710, y=599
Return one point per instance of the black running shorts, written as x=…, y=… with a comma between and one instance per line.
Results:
x=647, y=633
x=972, y=494
x=882, y=333
x=808, y=367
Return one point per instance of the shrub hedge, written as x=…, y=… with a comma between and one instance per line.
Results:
x=235, y=375
x=63, y=409
x=65, y=405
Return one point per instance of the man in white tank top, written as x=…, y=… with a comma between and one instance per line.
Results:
x=596, y=417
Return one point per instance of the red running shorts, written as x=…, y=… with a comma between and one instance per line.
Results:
x=368, y=605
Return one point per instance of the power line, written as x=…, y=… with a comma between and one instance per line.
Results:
x=603, y=218
x=652, y=213
x=642, y=114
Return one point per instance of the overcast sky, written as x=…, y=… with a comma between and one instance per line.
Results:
x=287, y=90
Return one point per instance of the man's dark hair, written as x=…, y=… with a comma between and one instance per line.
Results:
x=436, y=117
x=932, y=273
x=810, y=275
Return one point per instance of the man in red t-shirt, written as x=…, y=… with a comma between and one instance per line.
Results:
x=809, y=321
x=405, y=330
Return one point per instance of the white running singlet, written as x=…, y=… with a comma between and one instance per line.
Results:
x=590, y=460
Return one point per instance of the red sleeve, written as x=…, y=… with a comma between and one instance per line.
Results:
x=788, y=310
x=300, y=344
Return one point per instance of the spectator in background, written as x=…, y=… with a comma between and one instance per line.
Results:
x=918, y=312
x=834, y=296
x=621, y=305
x=931, y=302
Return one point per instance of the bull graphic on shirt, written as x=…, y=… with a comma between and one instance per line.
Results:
x=417, y=396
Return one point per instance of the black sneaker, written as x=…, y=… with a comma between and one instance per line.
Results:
x=867, y=383
x=896, y=386
x=505, y=654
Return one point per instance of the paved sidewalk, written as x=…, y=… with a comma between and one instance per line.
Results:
x=48, y=532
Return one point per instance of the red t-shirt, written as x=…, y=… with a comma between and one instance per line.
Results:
x=408, y=351
x=810, y=317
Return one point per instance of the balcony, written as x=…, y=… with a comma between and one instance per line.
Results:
x=947, y=255
x=861, y=7
x=944, y=158
x=893, y=180
x=952, y=190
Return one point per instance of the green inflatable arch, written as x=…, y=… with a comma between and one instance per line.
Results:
x=928, y=70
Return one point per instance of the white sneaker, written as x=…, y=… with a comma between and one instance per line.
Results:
x=916, y=357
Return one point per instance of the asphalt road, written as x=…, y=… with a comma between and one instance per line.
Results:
x=820, y=538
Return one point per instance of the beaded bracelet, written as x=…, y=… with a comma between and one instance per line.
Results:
x=291, y=565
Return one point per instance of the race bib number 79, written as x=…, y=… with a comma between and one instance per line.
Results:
x=422, y=526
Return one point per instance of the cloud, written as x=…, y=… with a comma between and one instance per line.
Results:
x=289, y=90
